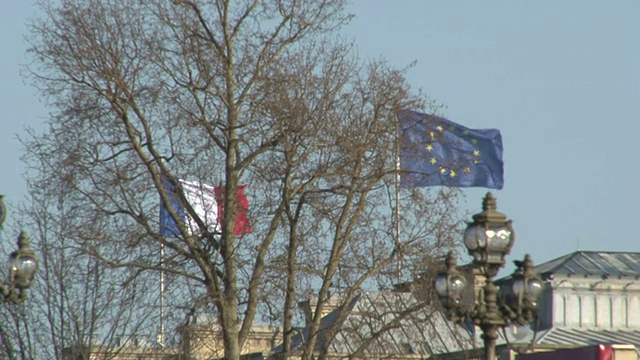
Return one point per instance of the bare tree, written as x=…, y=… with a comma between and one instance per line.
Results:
x=77, y=304
x=263, y=93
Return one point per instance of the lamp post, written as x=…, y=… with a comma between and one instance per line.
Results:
x=488, y=239
x=23, y=267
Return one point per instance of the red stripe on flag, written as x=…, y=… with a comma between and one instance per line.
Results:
x=243, y=226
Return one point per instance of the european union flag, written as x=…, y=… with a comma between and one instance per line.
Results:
x=435, y=151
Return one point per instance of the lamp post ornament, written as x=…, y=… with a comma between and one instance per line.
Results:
x=488, y=239
x=3, y=211
x=23, y=266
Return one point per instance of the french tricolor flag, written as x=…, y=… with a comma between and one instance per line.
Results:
x=207, y=202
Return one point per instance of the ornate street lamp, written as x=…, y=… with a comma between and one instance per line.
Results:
x=23, y=267
x=489, y=239
x=3, y=211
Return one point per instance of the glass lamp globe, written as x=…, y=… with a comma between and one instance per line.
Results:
x=534, y=288
x=471, y=240
x=518, y=288
x=487, y=244
x=23, y=264
x=450, y=286
x=519, y=332
x=489, y=237
x=498, y=239
x=23, y=269
x=456, y=284
x=441, y=285
x=527, y=284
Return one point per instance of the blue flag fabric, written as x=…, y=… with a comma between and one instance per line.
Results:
x=435, y=151
x=168, y=226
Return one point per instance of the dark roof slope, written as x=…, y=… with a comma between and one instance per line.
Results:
x=593, y=263
x=387, y=324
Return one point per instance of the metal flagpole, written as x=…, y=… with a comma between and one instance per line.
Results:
x=160, y=337
x=162, y=289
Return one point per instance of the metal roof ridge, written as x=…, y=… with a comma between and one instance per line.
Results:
x=561, y=261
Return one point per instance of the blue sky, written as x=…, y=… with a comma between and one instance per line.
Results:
x=560, y=80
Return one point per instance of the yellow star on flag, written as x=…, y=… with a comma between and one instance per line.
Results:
x=467, y=170
x=429, y=147
x=433, y=161
x=474, y=141
x=466, y=132
x=452, y=174
x=476, y=152
x=440, y=128
x=443, y=171
x=432, y=134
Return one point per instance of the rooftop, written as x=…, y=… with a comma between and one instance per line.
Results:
x=411, y=328
x=593, y=263
x=562, y=336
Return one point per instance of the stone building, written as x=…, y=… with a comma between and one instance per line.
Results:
x=203, y=341
x=590, y=298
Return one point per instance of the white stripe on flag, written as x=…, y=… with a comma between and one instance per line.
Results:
x=201, y=197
